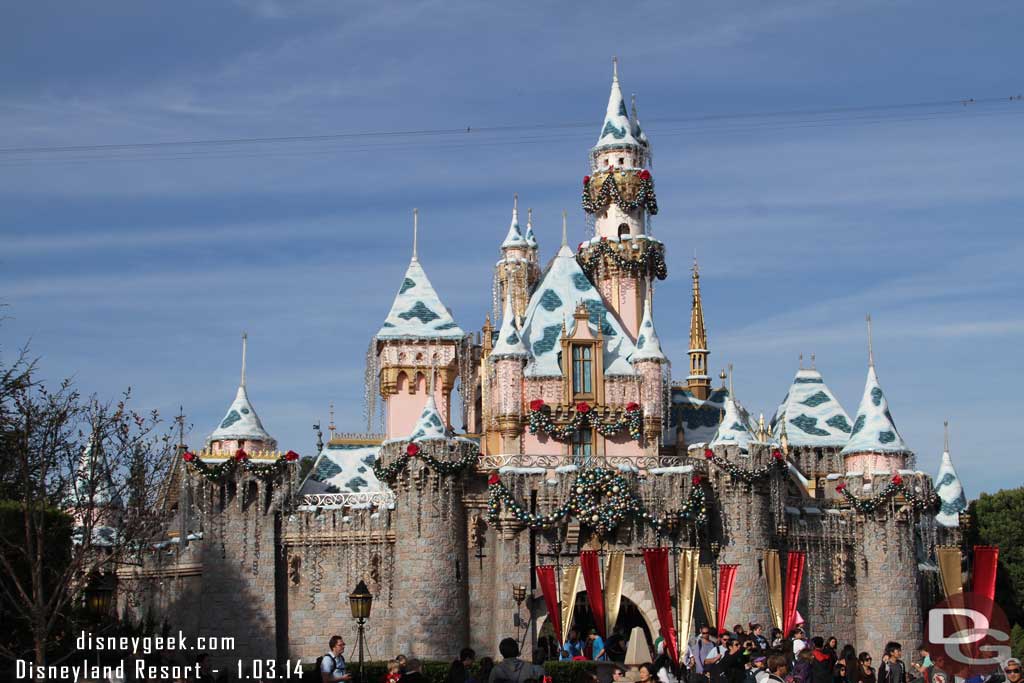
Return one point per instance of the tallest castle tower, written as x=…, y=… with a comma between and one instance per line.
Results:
x=622, y=258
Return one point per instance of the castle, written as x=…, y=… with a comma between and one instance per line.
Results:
x=573, y=435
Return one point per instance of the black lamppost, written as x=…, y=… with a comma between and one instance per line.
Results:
x=519, y=595
x=360, y=600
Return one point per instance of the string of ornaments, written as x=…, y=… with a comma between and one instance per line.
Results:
x=777, y=464
x=600, y=499
x=540, y=421
x=919, y=503
x=646, y=258
x=389, y=473
x=609, y=191
x=239, y=461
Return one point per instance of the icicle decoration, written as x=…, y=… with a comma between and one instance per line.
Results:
x=371, y=386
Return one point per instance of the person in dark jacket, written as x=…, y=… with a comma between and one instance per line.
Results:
x=821, y=665
x=413, y=672
x=733, y=666
x=512, y=669
x=865, y=672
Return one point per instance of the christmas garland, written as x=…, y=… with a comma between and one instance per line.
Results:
x=390, y=473
x=651, y=259
x=777, y=464
x=610, y=192
x=240, y=460
x=601, y=500
x=929, y=502
x=540, y=422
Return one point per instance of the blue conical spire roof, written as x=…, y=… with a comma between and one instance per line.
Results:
x=648, y=346
x=950, y=491
x=514, y=238
x=510, y=344
x=873, y=429
x=531, y=239
x=812, y=415
x=241, y=421
x=733, y=430
x=430, y=426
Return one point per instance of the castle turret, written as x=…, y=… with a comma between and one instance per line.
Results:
x=417, y=343
x=877, y=451
x=733, y=430
x=619, y=193
x=649, y=361
x=698, y=381
x=430, y=554
x=949, y=489
x=507, y=359
x=518, y=271
x=241, y=427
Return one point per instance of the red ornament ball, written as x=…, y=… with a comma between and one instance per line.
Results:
x=412, y=449
x=188, y=456
x=644, y=174
x=583, y=407
x=241, y=455
x=493, y=479
x=291, y=456
x=697, y=479
x=897, y=480
x=536, y=404
x=840, y=488
x=632, y=405
x=586, y=179
x=777, y=454
x=708, y=453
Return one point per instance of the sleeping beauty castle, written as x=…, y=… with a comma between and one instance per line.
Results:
x=550, y=470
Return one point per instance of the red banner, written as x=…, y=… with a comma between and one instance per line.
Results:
x=590, y=565
x=656, y=561
x=726, y=579
x=986, y=560
x=794, y=577
x=546, y=579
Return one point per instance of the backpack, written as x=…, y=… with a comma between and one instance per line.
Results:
x=319, y=662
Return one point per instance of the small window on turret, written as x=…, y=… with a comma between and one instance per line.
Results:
x=623, y=230
x=622, y=161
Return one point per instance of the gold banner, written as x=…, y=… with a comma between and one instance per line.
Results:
x=613, y=572
x=773, y=579
x=686, y=576
x=569, y=588
x=706, y=586
x=950, y=560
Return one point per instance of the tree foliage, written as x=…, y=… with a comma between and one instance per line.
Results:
x=998, y=519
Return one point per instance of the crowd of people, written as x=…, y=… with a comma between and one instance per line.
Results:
x=742, y=655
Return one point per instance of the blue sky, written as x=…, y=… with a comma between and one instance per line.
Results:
x=141, y=267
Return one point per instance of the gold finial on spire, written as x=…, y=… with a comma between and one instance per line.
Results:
x=945, y=436
x=415, y=232
x=871, y=351
x=565, y=228
x=245, y=338
x=722, y=376
x=698, y=381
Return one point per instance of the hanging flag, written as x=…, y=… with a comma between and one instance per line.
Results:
x=986, y=560
x=726, y=579
x=686, y=578
x=590, y=564
x=656, y=562
x=546, y=579
x=706, y=586
x=570, y=586
x=950, y=561
x=795, y=562
x=613, y=576
x=773, y=580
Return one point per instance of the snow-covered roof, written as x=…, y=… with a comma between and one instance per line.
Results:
x=514, y=238
x=417, y=312
x=733, y=430
x=430, y=426
x=951, y=493
x=699, y=418
x=344, y=468
x=509, y=344
x=638, y=132
x=102, y=536
x=531, y=239
x=93, y=480
x=648, y=346
x=617, y=128
x=561, y=288
x=873, y=429
x=241, y=422
x=812, y=415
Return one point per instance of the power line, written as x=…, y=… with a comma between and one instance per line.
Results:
x=493, y=135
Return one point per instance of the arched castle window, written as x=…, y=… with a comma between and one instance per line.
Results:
x=582, y=370
x=623, y=230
